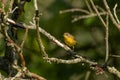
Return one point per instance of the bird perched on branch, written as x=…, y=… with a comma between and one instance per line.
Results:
x=69, y=40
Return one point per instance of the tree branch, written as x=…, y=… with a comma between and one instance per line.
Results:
x=110, y=14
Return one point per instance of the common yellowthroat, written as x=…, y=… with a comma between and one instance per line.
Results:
x=69, y=40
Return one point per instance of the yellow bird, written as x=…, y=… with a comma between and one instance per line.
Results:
x=69, y=40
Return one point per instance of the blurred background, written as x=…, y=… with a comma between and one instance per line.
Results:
x=89, y=33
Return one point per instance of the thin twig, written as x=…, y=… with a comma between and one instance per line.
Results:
x=117, y=56
x=24, y=38
x=87, y=16
x=94, y=7
x=110, y=14
x=44, y=54
x=36, y=76
x=100, y=8
x=14, y=9
x=106, y=38
x=10, y=6
x=88, y=6
x=22, y=58
x=35, y=5
x=73, y=10
x=114, y=10
x=106, y=26
x=87, y=75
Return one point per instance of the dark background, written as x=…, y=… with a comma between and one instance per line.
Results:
x=89, y=33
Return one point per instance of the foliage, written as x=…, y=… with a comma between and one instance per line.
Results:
x=89, y=33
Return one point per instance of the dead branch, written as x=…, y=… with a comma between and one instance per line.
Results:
x=110, y=14
x=23, y=71
x=114, y=71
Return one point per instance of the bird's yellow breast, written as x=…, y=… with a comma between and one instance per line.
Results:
x=69, y=39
